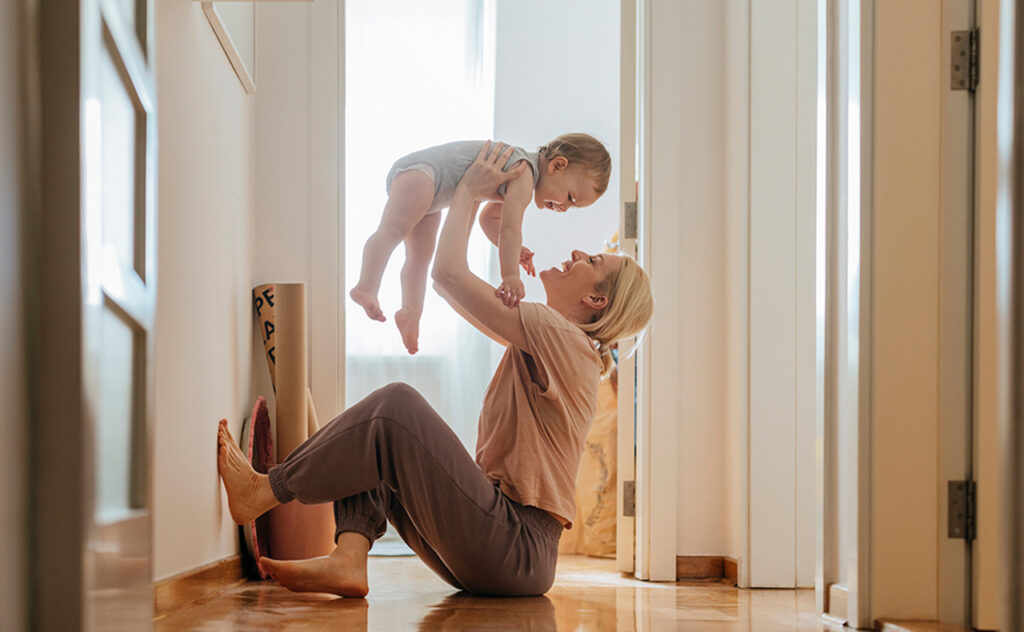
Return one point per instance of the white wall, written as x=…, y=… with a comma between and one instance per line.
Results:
x=298, y=110
x=781, y=293
x=731, y=132
x=552, y=79
x=688, y=179
x=203, y=320
x=249, y=191
x=13, y=424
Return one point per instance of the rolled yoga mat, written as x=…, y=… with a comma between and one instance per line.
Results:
x=258, y=446
x=296, y=531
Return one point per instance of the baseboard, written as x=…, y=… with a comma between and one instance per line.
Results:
x=196, y=585
x=838, y=598
x=706, y=568
x=730, y=569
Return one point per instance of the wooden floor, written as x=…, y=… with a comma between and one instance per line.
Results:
x=588, y=595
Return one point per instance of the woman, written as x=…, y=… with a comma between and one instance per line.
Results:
x=491, y=526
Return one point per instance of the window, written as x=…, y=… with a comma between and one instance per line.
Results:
x=418, y=73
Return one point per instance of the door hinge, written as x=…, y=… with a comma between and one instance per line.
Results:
x=963, y=59
x=629, y=221
x=629, y=498
x=962, y=510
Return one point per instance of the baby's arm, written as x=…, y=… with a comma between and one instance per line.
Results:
x=510, y=238
x=490, y=221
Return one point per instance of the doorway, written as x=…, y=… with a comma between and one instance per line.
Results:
x=491, y=73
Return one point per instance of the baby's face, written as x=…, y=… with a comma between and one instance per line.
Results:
x=561, y=188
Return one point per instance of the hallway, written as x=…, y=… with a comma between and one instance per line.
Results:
x=588, y=595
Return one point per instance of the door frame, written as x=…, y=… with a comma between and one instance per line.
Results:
x=1010, y=305
x=57, y=527
x=625, y=526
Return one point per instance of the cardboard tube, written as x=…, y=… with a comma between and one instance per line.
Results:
x=296, y=531
x=282, y=312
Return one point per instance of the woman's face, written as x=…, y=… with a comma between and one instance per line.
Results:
x=577, y=277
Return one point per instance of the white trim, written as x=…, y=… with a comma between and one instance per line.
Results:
x=955, y=314
x=1009, y=279
x=850, y=47
x=625, y=532
x=657, y=406
x=245, y=75
x=737, y=198
x=326, y=147
x=825, y=323
x=772, y=295
x=807, y=386
x=857, y=92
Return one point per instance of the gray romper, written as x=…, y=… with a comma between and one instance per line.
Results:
x=446, y=164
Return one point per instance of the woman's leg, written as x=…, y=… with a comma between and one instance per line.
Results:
x=419, y=248
x=360, y=520
x=409, y=197
x=394, y=440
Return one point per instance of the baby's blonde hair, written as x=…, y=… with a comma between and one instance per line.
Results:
x=628, y=311
x=583, y=150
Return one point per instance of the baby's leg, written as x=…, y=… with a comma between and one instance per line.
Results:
x=419, y=249
x=408, y=200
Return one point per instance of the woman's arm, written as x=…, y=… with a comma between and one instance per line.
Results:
x=468, y=293
x=469, y=317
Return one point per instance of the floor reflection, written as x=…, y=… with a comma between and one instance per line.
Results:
x=588, y=595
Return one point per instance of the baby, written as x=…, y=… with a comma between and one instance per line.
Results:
x=572, y=170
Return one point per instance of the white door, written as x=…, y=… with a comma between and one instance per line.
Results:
x=119, y=279
x=97, y=292
x=625, y=523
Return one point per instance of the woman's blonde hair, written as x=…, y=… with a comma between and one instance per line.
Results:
x=628, y=311
x=583, y=150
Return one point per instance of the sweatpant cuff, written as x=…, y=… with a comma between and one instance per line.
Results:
x=278, y=484
x=362, y=524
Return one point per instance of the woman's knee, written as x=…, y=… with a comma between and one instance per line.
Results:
x=398, y=401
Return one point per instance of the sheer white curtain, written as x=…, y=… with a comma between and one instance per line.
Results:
x=417, y=73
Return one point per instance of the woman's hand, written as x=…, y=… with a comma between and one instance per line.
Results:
x=485, y=175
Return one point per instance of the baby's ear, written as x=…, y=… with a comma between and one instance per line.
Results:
x=558, y=164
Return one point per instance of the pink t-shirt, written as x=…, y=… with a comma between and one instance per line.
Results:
x=537, y=411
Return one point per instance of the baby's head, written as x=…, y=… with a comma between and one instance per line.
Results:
x=574, y=171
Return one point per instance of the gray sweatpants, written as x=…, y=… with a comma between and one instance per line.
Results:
x=391, y=457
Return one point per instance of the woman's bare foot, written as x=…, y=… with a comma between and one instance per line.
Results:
x=342, y=573
x=249, y=492
x=408, y=323
x=368, y=301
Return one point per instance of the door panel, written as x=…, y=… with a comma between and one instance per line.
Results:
x=118, y=213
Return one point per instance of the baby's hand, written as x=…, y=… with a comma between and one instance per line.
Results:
x=526, y=260
x=511, y=291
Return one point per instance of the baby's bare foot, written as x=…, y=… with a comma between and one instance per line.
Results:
x=408, y=323
x=328, y=574
x=368, y=301
x=249, y=492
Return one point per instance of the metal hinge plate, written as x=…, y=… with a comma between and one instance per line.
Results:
x=963, y=60
x=962, y=503
x=629, y=221
x=629, y=499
